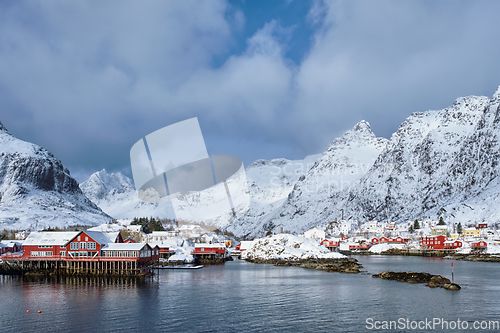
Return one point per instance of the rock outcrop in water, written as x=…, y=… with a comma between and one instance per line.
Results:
x=433, y=281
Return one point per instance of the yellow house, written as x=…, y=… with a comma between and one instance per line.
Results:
x=454, y=236
x=439, y=230
x=471, y=232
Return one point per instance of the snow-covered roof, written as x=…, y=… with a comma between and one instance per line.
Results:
x=50, y=238
x=98, y=236
x=124, y=247
x=11, y=242
x=112, y=236
x=209, y=245
x=440, y=227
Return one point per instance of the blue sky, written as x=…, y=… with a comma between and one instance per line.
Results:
x=266, y=79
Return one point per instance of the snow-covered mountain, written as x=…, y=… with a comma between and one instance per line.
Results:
x=438, y=163
x=36, y=191
x=343, y=163
x=269, y=183
x=115, y=194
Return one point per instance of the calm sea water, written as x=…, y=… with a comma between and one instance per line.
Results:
x=245, y=297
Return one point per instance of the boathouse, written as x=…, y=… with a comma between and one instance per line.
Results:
x=83, y=252
x=209, y=251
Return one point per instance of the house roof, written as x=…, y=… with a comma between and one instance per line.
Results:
x=50, y=238
x=124, y=246
x=98, y=236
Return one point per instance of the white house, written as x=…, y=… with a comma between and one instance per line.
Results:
x=314, y=233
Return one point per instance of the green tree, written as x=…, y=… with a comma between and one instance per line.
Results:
x=459, y=228
x=441, y=221
x=416, y=225
x=410, y=230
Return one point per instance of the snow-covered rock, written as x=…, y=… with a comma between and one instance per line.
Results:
x=37, y=192
x=289, y=248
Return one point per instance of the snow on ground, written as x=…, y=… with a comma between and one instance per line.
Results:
x=288, y=247
x=182, y=254
x=379, y=248
x=493, y=249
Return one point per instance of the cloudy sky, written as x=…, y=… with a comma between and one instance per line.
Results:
x=266, y=79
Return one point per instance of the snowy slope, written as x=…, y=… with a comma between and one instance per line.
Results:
x=343, y=163
x=269, y=183
x=36, y=191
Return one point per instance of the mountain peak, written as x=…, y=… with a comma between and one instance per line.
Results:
x=362, y=126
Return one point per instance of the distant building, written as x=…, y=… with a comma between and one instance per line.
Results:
x=472, y=232
x=22, y=234
x=314, y=233
x=439, y=230
x=332, y=245
x=482, y=225
x=210, y=251
x=433, y=242
x=452, y=244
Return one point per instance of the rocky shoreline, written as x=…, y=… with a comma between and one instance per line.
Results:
x=474, y=257
x=341, y=265
x=433, y=281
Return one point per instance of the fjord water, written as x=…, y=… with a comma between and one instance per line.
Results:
x=246, y=297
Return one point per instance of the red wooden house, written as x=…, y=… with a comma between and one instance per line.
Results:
x=481, y=245
x=164, y=249
x=452, y=244
x=204, y=250
x=362, y=246
x=383, y=239
x=129, y=240
x=330, y=244
x=433, y=242
x=374, y=240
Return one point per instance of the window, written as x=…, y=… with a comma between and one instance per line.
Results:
x=83, y=245
x=91, y=246
x=86, y=239
x=73, y=246
x=63, y=253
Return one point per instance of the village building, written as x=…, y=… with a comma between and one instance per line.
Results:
x=482, y=225
x=452, y=244
x=209, y=251
x=314, y=233
x=87, y=252
x=433, y=242
x=330, y=244
x=471, y=232
x=439, y=230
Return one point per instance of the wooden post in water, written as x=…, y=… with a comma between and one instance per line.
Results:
x=452, y=278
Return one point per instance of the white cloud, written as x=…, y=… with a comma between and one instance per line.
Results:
x=87, y=79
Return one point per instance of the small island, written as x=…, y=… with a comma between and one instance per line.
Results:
x=433, y=281
x=289, y=250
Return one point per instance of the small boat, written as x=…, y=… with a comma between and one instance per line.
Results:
x=181, y=267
